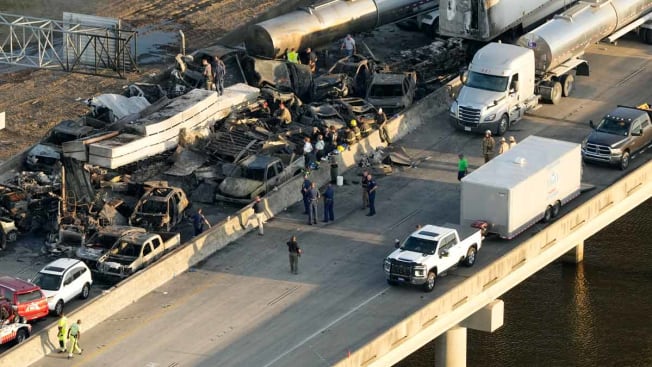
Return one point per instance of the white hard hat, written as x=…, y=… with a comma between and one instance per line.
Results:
x=380, y=110
x=488, y=132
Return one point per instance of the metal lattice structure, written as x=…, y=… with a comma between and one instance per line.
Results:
x=71, y=46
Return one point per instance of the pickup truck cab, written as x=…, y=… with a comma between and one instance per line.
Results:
x=393, y=92
x=135, y=251
x=258, y=175
x=620, y=135
x=430, y=251
x=102, y=241
x=160, y=208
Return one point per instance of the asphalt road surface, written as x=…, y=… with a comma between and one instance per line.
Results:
x=243, y=307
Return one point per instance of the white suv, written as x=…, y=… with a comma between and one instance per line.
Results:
x=62, y=280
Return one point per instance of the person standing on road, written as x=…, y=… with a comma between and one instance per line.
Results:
x=219, y=72
x=313, y=197
x=365, y=193
x=295, y=251
x=305, y=188
x=504, y=147
x=74, y=334
x=462, y=167
x=62, y=330
x=329, y=202
x=488, y=144
x=258, y=213
x=348, y=45
x=208, y=74
x=371, y=189
x=198, y=221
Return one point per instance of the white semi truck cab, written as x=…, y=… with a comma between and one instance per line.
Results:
x=499, y=87
x=430, y=251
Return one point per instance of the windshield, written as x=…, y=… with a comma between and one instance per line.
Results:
x=611, y=126
x=420, y=245
x=487, y=82
x=49, y=282
x=386, y=90
x=154, y=207
x=257, y=174
x=105, y=241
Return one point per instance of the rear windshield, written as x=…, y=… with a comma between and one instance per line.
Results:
x=383, y=90
x=34, y=295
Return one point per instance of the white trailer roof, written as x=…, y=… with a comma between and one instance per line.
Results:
x=528, y=157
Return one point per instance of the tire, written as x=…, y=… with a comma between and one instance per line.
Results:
x=556, y=93
x=624, y=161
x=86, y=291
x=646, y=35
x=433, y=30
x=21, y=335
x=429, y=285
x=391, y=282
x=58, y=308
x=503, y=125
x=3, y=241
x=567, y=84
x=547, y=215
x=469, y=260
x=556, y=209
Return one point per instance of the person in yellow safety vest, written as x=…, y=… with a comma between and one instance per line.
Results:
x=74, y=334
x=356, y=130
x=62, y=327
x=293, y=56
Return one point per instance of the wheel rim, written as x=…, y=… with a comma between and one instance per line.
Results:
x=548, y=214
x=20, y=337
x=58, y=308
x=471, y=256
x=503, y=125
x=12, y=236
x=431, y=280
x=625, y=161
x=85, y=291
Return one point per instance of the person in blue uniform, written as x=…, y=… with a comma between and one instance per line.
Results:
x=305, y=187
x=329, y=197
x=372, y=186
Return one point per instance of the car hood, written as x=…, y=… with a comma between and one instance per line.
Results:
x=89, y=253
x=239, y=187
x=387, y=101
x=610, y=140
x=408, y=256
x=477, y=98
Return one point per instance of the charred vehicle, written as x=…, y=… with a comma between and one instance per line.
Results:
x=321, y=115
x=160, y=208
x=102, y=241
x=393, y=92
x=257, y=175
x=331, y=86
x=281, y=75
x=359, y=69
x=135, y=251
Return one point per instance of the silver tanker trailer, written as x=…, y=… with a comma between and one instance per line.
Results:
x=504, y=81
x=327, y=21
x=485, y=21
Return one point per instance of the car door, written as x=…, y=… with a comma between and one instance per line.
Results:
x=67, y=287
x=647, y=133
x=78, y=282
x=637, y=141
x=147, y=253
x=446, y=253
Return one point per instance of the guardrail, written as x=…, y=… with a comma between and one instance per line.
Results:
x=220, y=235
x=497, y=278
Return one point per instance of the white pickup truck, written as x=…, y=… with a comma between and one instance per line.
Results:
x=430, y=251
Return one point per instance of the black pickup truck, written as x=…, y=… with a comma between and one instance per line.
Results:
x=620, y=135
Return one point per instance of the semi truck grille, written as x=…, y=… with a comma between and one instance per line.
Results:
x=401, y=269
x=600, y=150
x=469, y=116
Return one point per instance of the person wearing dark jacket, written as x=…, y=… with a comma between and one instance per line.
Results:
x=295, y=252
x=329, y=201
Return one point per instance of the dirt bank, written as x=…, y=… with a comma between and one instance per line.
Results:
x=35, y=100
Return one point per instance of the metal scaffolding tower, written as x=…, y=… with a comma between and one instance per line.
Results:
x=80, y=43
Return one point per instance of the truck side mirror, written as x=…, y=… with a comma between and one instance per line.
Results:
x=397, y=243
x=443, y=253
x=591, y=124
x=464, y=76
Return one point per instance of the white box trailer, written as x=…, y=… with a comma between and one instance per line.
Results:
x=528, y=183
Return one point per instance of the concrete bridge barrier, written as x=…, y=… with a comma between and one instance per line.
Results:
x=220, y=235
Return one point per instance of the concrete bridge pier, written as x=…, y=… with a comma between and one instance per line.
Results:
x=575, y=255
x=450, y=347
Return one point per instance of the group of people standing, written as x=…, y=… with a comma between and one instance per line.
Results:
x=311, y=198
x=72, y=334
x=214, y=73
x=488, y=147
